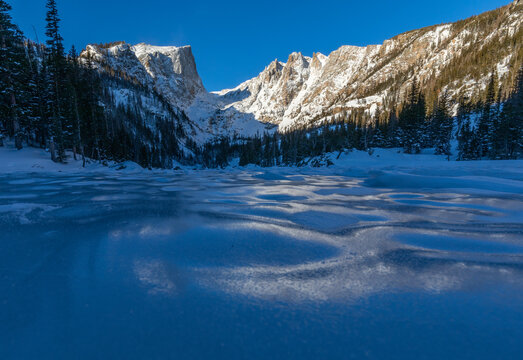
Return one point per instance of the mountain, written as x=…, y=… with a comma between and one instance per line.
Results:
x=170, y=71
x=458, y=58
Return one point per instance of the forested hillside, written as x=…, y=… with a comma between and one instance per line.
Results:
x=51, y=99
x=489, y=129
x=119, y=102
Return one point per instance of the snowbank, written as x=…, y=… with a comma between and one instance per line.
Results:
x=39, y=160
x=384, y=166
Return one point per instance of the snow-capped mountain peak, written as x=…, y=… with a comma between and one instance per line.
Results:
x=306, y=91
x=170, y=70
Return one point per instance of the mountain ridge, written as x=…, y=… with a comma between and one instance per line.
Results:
x=306, y=91
x=170, y=70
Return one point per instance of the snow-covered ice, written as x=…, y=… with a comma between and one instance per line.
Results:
x=377, y=257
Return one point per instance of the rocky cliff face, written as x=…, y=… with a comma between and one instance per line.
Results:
x=306, y=90
x=169, y=70
x=303, y=91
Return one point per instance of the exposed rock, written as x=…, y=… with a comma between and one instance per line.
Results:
x=310, y=90
x=170, y=70
x=305, y=91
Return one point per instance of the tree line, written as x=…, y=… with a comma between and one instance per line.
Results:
x=488, y=129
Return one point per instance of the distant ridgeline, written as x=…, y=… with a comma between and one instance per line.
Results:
x=63, y=102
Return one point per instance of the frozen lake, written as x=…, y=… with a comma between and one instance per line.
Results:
x=278, y=265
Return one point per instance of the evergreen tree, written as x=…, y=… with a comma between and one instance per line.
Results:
x=510, y=134
x=442, y=124
x=467, y=141
x=74, y=84
x=56, y=82
x=412, y=119
x=13, y=75
x=463, y=114
x=486, y=122
x=37, y=96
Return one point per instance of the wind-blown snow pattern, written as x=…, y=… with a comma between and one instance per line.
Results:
x=383, y=256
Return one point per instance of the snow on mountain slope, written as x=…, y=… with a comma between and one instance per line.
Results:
x=305, y=91
x=169, y=70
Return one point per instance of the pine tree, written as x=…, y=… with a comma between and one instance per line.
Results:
x=463, y=114
x=13, y=73
x=412, y=119
x=74, y=84
x=464, y=141
x=510, y=135
x=442, y=124
x=465, y=134
x=486, y=121
x=56, y=81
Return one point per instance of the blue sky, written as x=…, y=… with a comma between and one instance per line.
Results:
x=234, y=40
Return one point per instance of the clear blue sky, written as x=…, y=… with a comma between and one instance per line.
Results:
x=234, y=40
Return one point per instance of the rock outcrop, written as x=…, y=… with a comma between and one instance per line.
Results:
x=457, y=58
x=169, y=70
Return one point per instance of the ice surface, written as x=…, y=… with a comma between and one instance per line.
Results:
x=373, y=258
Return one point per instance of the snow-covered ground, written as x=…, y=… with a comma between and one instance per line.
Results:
x=384, y=256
